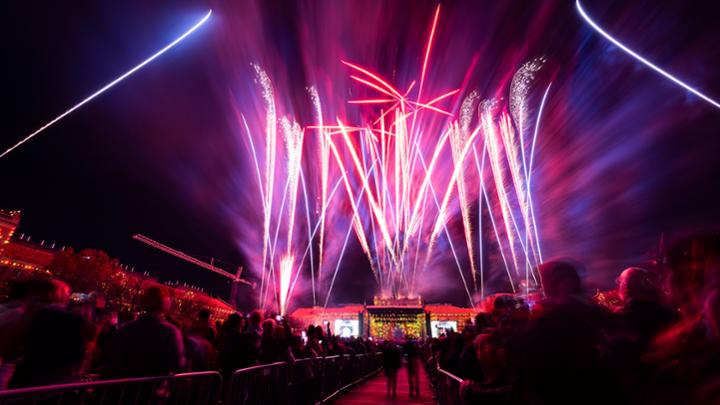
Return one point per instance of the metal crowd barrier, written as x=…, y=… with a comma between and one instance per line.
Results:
x=341, y=372
x=201, y=388
x=265, y=384
x=447, y=388
x=307, y=381
x=305, y=387
x=331, y=378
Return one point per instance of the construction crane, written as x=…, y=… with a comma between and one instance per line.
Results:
x=236, y=279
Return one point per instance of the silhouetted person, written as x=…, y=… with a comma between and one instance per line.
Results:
x=200, y=353
x=149, y=345
x=450, y=350
x=392, y=360
x=54, y=346
x=299, y=350
x=236, y=350
x=412, y=355
x=228, y=343
x=254, y=326
x=275, y=344
x=493, y=387
x=642, y=313
x=315, y=340
x=561, y=359
x=107, y=330
x=686, y=356
x=25, y=298
x=303, y=373
x=203, y=327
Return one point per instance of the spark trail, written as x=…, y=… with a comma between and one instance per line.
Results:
x=401, y=171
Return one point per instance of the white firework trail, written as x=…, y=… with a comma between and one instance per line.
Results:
x=324, y=153
x=293, y=136
x=458, y=143
x=519, y=90
x=494, y=148
x=270, y=150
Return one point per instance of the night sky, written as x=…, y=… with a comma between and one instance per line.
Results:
x=86, y=184
x=105, y=172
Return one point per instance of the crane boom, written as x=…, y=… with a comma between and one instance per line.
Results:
x=190, y=259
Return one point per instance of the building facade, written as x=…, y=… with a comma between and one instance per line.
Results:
x=20, y=258
x=387, y=319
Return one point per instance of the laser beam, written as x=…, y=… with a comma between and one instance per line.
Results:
x=111, y=84
x=641, y=59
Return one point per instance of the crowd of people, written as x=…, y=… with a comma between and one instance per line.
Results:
x=661, y=345
x=47, y=339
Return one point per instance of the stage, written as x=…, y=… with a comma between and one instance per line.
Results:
x=386, y=318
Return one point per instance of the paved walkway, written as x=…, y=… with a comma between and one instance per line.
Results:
x=372, y=392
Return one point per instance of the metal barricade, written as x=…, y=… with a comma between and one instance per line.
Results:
x=319, y=380
x=305, y=382
x=265, y=384
x=448, y=388
x=342, y=372
x=350, y=367
x=330, y=378
x=190, y=388
x=431, y=370
x=359, y=367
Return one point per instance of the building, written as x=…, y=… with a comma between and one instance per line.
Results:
x=20, y=258
x=17, y=253
x=346, y=320
x=445, y=317
x=9, y=221
x=386, y=318
x=26, y=255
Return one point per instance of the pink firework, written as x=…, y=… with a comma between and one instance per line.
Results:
x=401, y=175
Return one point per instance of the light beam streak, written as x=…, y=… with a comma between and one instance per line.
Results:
x=356, y=200
x=484, y=195
x=111, y=84
x=308, y=248
x=637, y=56
x=311, y=234
x=426, y=59
x=442, y=211
x=449, y=238
x=529, y=175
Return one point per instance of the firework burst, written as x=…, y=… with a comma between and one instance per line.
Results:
x=402, y=183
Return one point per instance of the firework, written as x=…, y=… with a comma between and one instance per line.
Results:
x=286, y=269
x=403, y=179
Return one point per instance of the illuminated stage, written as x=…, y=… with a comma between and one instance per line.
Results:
x=397, y=318
x=386, y=318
